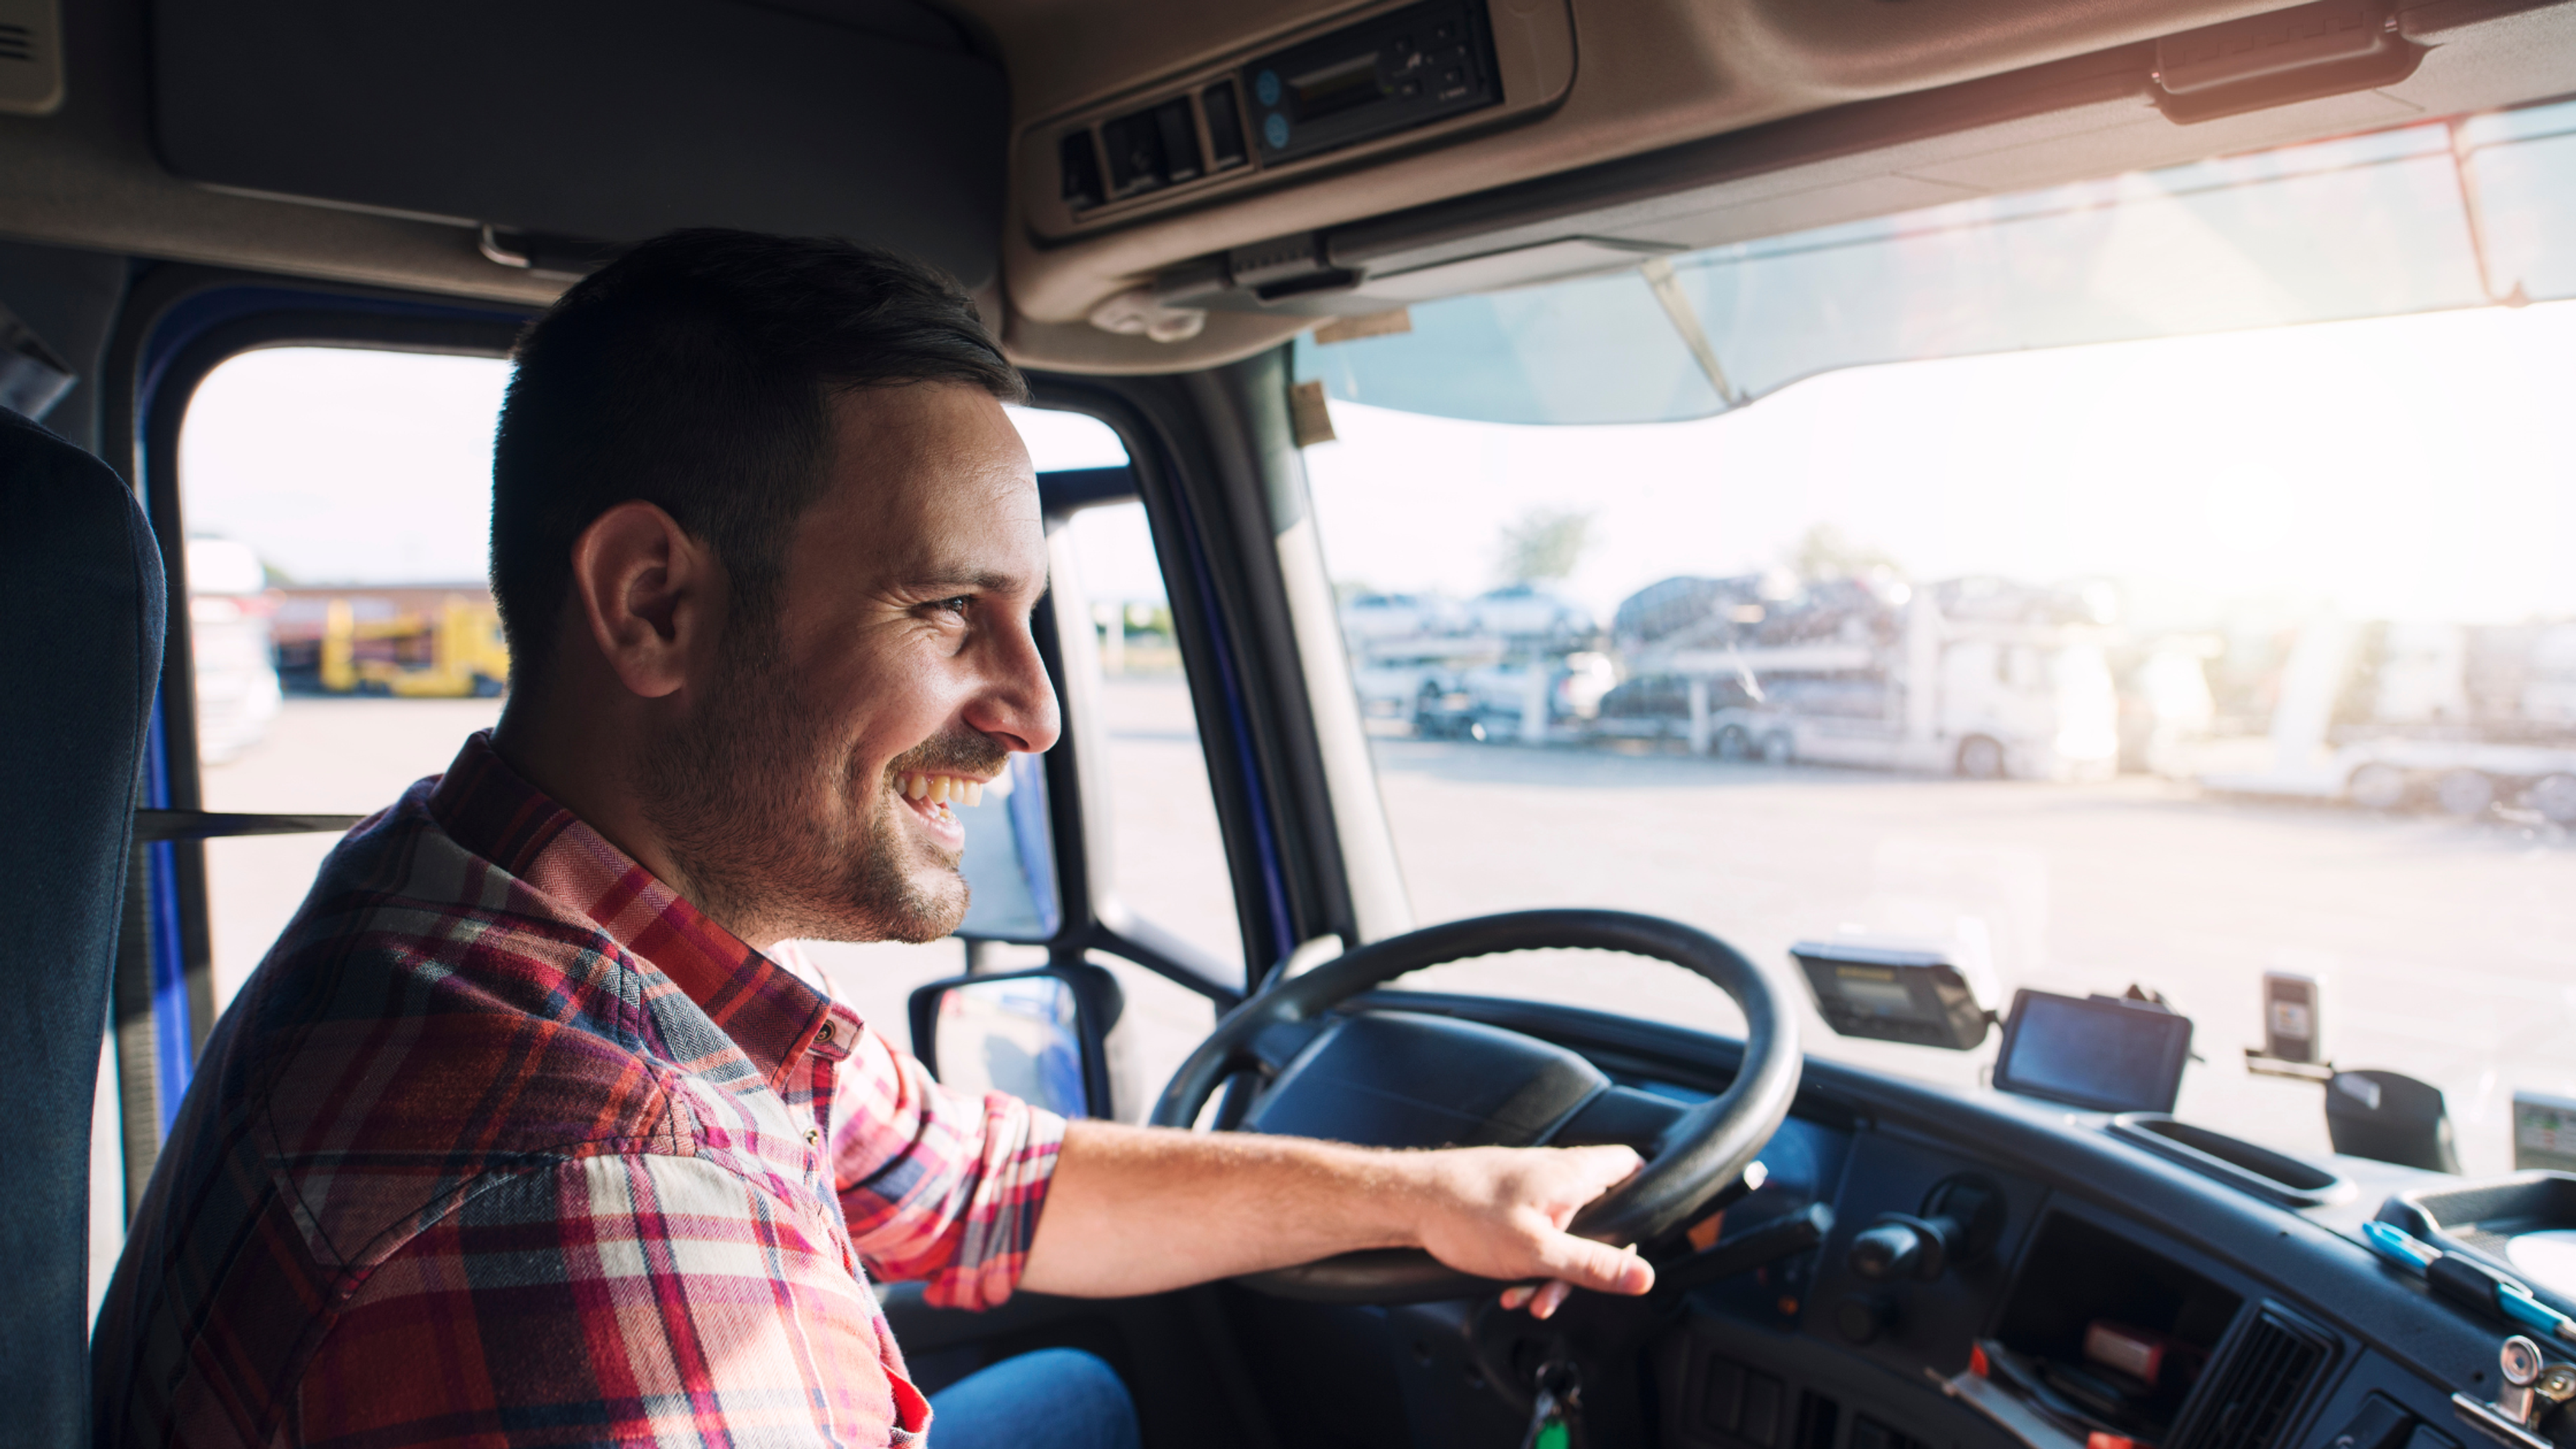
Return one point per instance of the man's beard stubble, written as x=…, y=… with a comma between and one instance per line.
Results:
x=743, y=798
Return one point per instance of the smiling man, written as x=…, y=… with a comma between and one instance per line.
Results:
x=533, y=1128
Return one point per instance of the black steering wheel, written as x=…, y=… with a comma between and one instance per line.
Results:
x=1517, y=1091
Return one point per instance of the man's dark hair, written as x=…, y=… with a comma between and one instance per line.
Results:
x=694, y=373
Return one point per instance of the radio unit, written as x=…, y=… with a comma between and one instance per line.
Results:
x=1437, y=69
x=1389, y=74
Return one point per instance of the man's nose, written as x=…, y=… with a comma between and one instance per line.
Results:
x=1017, y=707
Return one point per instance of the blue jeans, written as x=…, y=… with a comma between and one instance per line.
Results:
x=1056, y=1398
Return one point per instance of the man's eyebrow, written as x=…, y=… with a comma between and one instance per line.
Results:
x=981, y=580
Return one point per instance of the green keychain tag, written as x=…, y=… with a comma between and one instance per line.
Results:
x=1558, y=1400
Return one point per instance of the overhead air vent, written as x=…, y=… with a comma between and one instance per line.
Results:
x=31, y=57
x=2250, y=1398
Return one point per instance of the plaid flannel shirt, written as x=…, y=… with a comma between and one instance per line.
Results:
x=505, y=1143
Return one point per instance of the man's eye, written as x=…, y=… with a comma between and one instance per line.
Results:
x=953, y=606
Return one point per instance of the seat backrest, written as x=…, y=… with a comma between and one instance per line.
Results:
x=81, y=611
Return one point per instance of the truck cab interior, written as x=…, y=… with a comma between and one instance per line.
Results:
x=1909, y=443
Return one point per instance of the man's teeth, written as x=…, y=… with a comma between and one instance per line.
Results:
x=943, y=789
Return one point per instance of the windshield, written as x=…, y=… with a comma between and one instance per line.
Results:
x=2222, y=666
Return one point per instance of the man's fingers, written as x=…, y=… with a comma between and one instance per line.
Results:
x=1606, y=1167
x=1515, y=1297
x=1583, y=1263
x=1551, y=1297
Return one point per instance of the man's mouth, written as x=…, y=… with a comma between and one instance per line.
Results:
x=942, y=789
x=933, y=794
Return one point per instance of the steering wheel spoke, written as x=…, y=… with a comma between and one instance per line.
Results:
x=1277, y=1043
x=1695, y=1156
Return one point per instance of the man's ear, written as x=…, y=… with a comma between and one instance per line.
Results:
x=650, y=594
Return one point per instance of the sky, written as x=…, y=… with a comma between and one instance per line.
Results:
x=2412, y=467
x=2418, y=467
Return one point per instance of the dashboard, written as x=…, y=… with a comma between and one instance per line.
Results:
x=2255, y=1319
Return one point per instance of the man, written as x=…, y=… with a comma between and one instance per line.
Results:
x=531, y=1130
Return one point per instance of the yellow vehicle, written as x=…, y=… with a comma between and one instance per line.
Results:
x=466, y=654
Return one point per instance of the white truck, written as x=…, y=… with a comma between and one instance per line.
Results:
x=2396, y=715
x=1973, y=676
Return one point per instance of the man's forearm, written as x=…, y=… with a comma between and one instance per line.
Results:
x=1140, y=1210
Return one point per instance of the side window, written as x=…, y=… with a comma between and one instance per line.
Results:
x=344, y=639
x=345, y=643
x=1170, y=864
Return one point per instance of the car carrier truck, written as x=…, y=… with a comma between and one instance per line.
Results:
x=1979, y=677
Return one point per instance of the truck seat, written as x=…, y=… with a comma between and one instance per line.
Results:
x=81, y=597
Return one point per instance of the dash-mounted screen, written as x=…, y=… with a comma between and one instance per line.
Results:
x=2099, y=1053
x=1892, y=994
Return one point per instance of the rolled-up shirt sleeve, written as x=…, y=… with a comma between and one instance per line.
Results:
x=938, y=1185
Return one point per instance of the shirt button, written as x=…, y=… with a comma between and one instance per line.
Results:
x=824, y=1037
x=813, y=1135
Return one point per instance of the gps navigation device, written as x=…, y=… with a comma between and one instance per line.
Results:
x=2102, y=1053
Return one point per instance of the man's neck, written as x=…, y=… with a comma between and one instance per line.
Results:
x=586, y=762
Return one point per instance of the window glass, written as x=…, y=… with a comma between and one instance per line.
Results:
x=1170, y=864
x=2170, y=663
x=1168, y=859
x=336, y=501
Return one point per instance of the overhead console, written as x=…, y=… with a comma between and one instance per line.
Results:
x=1398, y=77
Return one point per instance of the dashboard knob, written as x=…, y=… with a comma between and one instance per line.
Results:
x=1862, y=1317
x=1889, y=1250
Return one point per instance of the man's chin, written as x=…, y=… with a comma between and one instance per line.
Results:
x=932, y=919
x=931, y=905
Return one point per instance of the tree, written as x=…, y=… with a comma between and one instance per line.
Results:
x=1542, y=544
x=1825, y=554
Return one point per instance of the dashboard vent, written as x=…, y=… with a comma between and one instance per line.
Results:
x=2249, y=1399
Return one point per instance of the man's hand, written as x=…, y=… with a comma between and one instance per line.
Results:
x=1500, y=1212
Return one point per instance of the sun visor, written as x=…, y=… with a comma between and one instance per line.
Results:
x=598, y=120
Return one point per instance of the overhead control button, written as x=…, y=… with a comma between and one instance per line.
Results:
x=1225, y=126
x=1080, y=163
x=1178, y=130
x=1135, y=146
